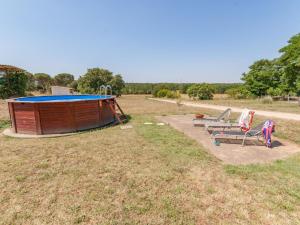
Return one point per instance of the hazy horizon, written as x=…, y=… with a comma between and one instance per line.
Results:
x=146, y=41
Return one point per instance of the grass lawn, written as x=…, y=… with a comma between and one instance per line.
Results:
x=146, y=175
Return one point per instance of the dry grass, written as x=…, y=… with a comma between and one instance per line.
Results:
x=280, y=106
x=145, y=175
x=4, y=115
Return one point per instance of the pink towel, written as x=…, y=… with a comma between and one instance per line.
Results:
x=267, y=130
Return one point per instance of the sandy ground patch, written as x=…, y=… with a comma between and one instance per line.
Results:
x=230, y=153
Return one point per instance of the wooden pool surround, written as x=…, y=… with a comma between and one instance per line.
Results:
x=57, y=117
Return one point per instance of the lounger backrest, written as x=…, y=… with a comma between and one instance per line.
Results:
x=245, y=111
x=249, y=120
x=224, y=115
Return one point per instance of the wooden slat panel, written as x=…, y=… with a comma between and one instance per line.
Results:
x=56, y=117
x=107, y=116
x=25, y=118
x=86, y=115
x=12, y=116
x=60, y=117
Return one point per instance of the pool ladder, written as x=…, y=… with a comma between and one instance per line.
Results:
x=104, y=89
x=121, y=118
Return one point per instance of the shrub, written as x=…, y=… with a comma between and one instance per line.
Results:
x=201, y=91
x=173, y=94
x=13, y=84
x=162, y=93
x=167, y=93
x=239, y=93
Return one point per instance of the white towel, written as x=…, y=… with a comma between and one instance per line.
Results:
x=244, y=119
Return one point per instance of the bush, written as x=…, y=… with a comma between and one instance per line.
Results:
x=13, y=84
x=239, y=93
x=173, y=94
x=162, y=93
x=167, y=93
x=201, y=91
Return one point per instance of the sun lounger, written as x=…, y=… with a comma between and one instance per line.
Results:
x=239, y=135
x=222, y=125
x=223, y=116
x=228, y=125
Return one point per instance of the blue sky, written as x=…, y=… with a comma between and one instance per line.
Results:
x=146, y=41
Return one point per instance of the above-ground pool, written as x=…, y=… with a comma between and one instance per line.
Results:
x=60, y=114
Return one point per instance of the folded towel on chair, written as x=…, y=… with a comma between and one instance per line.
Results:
x=267, y=130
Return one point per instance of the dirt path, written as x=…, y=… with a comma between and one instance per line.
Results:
x=280, y=115
x=231, y=153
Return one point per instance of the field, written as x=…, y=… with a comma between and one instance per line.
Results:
x=145, y=175
x=280, y=106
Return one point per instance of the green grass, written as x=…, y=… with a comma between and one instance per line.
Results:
x=279, y=181
x=4, y=124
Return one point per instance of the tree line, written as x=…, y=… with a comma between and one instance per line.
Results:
x=153, y=88
x=20, y=83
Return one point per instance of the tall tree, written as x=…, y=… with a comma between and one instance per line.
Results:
x=262, y=75
x=63, y=79
x=117, y=84
x=91, y=81
x=290, y=65
x=43, y=81
x=30, y=82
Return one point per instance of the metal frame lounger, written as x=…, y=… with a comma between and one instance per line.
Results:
x=222, y=125
x=224, y=115
x=239, y=135
x=227, y=125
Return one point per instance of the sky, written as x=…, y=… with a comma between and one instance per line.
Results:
x=146, y=40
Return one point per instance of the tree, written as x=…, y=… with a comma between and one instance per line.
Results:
x=202, y=91
x=262, y=75
x=239, y=92
x=30, y=86
x=290, y=65
x=117, y=84
x=91, y=81
x=63, y=79
x=43, y=81
x=278, y=76
x=274, y=92
x=13, y=84
x=74, y=85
